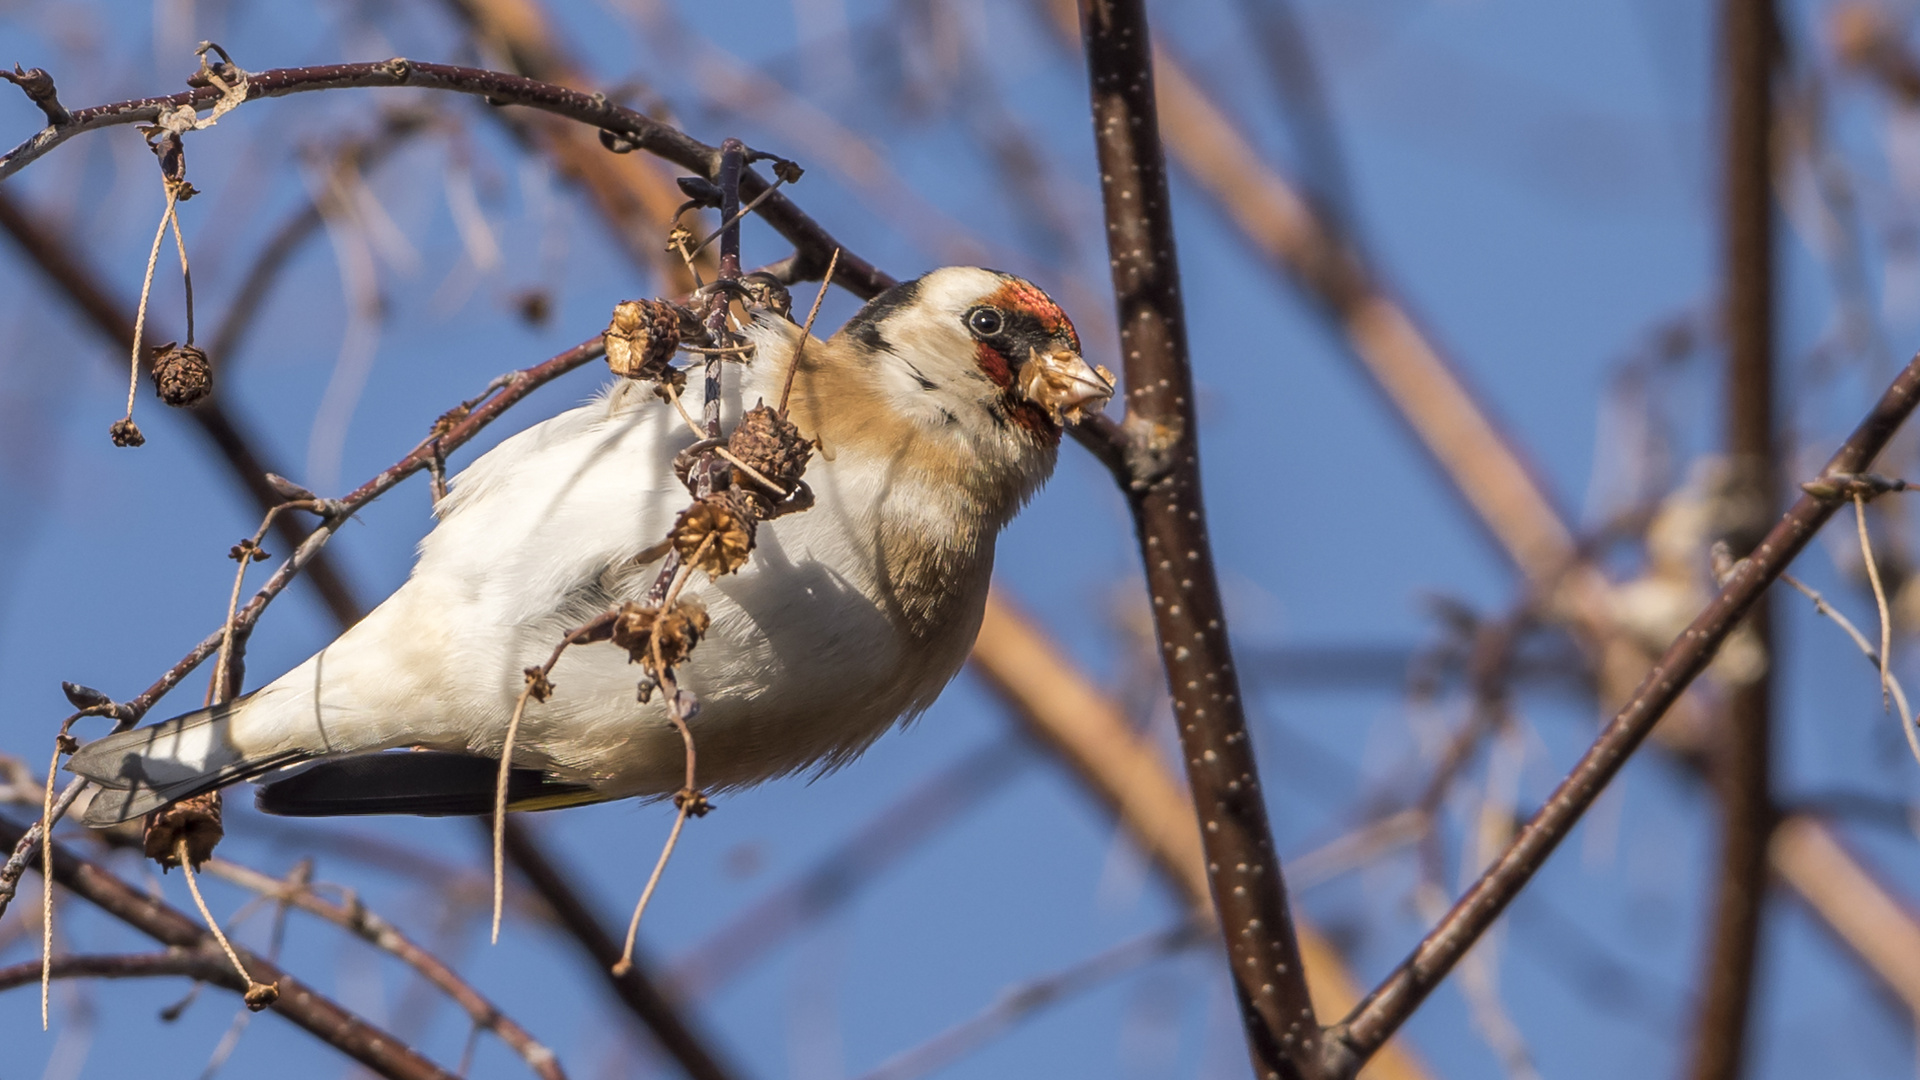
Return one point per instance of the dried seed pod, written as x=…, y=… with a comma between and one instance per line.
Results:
x=126, y=433
x=773, y=446
x=247, y=549
x=197, y=818
x=539, y=688
x=715, y=534
x=642, y=338
x=679, y=630
x=181, y=375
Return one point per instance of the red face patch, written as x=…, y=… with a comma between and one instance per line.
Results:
x=1022, y=296
x=993, y=364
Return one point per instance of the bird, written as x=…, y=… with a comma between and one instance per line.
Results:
x=935, y=414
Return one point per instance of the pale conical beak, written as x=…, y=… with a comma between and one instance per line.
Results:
x=1064, y=385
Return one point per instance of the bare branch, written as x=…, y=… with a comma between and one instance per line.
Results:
x=325, y=1020
x=625, y=130
x=1739, y=771
x=1354, y=1039
x=357, y=919
x=1249, y=892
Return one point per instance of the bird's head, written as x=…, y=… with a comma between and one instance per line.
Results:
x=986, y=351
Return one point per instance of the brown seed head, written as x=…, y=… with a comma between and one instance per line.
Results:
x=538, y=688
x=181, y=375
x=126, y=433
x=679, y=630
x=197, y=818
x=774, y=447
x=641, y=338
x=715, y=534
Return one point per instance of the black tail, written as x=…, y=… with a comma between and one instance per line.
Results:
x=429, y=783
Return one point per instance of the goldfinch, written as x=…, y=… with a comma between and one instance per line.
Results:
x=937, y=413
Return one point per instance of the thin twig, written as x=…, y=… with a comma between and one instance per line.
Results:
x=689, y=800
x=806, y=331
x=1879, y=601
x=734, y=220
x=366, y=924
x=181, y=855
x=46, y=887
x=146, y=291
x=1908, y=722
x=630, y=128
x=1018, y=1002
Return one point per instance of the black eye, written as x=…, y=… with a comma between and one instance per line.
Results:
x=985, y=322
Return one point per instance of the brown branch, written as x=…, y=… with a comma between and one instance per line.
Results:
x=625, y=130
x=321, y=1017
x=369, y=926
x=199, y=966
x=1249, y=892
x=1354, y=1039
x=1739, y=758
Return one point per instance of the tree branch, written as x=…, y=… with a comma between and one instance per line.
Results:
x=1739, y=758
x=625, y=130
x=1249, y=892
x=1354, y=1039
x=370, y=927
x=321, y=1017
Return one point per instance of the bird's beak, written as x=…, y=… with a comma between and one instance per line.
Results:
x=1064, y=385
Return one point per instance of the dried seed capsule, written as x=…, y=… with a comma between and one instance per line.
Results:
x=715, y=534
x=773, y=446
x=641, y=338
x=126, y=433
x=197, y=818
x=679, y=630
x=182, y=376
